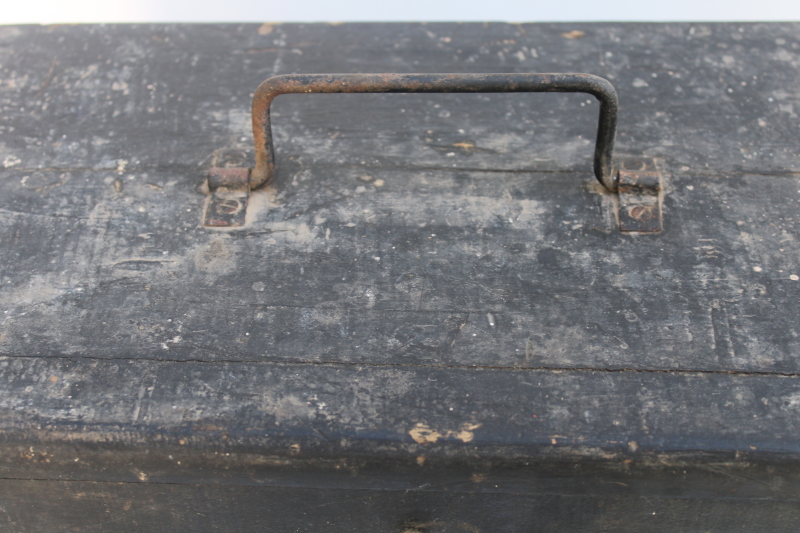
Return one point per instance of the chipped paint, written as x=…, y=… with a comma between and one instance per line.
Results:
x=424, y=434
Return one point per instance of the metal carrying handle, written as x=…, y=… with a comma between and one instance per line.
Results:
x=598, y=87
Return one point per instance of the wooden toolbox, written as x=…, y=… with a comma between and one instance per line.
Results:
x=442, y=313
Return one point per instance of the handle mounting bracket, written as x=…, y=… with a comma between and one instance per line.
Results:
x=228, y=193
x=640, y=196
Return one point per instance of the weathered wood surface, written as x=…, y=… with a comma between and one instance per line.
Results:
x=435, y=277
x=136, y=507
x=445, y=269
x=713, y=97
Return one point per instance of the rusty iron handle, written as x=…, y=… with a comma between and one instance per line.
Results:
x=598, y=87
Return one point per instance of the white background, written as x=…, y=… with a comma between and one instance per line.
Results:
x=54, y=11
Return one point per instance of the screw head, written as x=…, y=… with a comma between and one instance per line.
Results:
x=641, y=212
x=229, y=207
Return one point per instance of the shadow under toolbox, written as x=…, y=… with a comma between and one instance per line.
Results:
x=465, y=310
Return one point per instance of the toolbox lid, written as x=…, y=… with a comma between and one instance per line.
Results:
x=424, y=275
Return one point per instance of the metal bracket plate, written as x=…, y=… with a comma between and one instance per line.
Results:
x=229, y=191
x=639, y=196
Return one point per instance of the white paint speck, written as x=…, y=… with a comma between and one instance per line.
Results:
x=690, y=187
x=11, y=161
x=639, y=82
x=259, y=286
x=793, y=277
x=757, y=269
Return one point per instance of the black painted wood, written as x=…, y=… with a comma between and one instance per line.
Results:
x=430, y=321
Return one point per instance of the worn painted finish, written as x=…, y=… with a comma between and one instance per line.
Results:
x=130, y=507
x=94, y=95
x=398, y=411
x=400, y=267
x=432, y=288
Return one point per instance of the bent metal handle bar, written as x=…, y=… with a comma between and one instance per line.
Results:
x=598, y=87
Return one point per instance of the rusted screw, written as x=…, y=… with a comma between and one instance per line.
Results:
x=229, y=207
x=641, y=212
